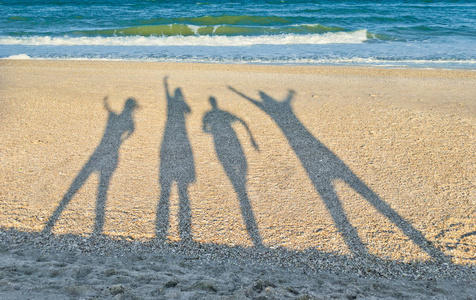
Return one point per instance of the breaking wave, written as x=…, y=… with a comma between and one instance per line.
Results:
x=340, y=37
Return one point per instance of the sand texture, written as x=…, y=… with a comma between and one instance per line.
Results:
x=152, y=180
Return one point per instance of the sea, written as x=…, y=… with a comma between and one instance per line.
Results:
x=389, y=34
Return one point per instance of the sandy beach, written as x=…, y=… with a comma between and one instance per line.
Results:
x=141, y=180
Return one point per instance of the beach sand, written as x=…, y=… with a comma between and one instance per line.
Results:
x=302, y=182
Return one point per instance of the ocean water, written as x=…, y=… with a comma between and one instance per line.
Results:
x=398, y=33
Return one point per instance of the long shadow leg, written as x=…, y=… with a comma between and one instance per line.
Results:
x=185, y=214
x=414, y=234
x=104, y=181
x=162, y=222
x=236, y=170
x=248, y=216
x=334, y=206
x=78, y=182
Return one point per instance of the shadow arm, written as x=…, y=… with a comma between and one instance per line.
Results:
x=290, y=96
x=106, y=104
x=166, y=86
x=127, y=134
x=253, y=141
x=257, y=103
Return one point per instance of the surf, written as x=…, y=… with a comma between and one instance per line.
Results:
x=217, y=29
x=353, y=37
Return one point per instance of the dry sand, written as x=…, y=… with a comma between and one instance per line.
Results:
x=356, y=183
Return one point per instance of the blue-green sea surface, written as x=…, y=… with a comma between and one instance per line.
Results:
x=428, y=34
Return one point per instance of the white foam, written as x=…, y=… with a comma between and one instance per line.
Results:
x=330, y=61
x=357, y=61
x=19, y=56
x=354, y=37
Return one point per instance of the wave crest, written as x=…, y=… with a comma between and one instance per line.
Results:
x=222, y=29
x=353, y=37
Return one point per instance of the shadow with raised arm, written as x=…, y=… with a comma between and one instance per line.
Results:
x=228, y=148
x=324, y=167
x=104, y=161
x=176, y=165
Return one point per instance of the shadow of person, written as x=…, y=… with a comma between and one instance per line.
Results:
x=176, y=165
x=230, y=153
x=104, y=160
x=323, y=167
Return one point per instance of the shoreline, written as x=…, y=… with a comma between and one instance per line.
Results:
x=306, y=68
x=417, y=65
x=366, y=169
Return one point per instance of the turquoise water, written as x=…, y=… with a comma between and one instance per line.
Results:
x=428, y=34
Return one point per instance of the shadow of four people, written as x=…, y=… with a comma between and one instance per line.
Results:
x=177, y=165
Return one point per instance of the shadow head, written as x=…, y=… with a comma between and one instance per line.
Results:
x=178, y=94
x=131, y=104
